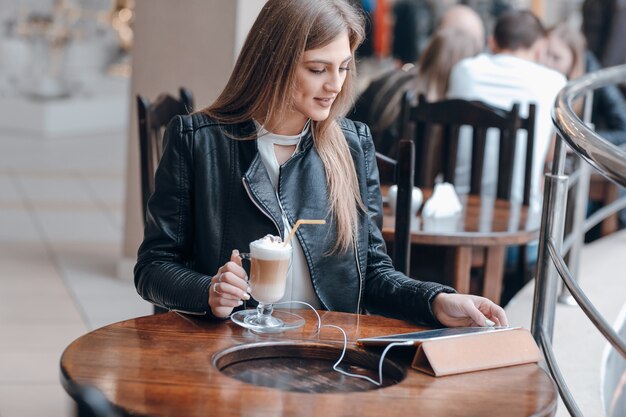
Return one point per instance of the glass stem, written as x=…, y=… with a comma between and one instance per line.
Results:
x=264, y=311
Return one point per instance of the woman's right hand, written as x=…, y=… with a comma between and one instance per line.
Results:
x=229, y=287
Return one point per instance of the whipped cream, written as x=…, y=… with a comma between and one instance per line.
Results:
x=270, y=247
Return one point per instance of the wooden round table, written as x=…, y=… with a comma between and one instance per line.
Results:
x=486, y=223
x=167, y=365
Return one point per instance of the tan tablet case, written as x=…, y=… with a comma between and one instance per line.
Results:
x=476, y=352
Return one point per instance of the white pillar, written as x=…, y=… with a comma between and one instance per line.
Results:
x=190, y=44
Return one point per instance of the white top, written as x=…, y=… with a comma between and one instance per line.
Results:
x=299, y=286
x=502, y=80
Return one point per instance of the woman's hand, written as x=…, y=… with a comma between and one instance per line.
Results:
x=464, y=310
x=228, y=287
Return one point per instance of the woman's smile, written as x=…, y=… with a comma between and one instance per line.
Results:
x=325, y=101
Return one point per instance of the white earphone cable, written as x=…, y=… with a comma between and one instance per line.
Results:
x=345, y=347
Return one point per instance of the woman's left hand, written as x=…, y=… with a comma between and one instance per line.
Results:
x=464, y=310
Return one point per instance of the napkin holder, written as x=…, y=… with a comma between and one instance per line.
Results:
x=443, y=203
x=476, y=352
x=416, y=199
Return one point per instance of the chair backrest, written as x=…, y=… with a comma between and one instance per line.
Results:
x=435, y=127
x=153, y=118
x=400, y=172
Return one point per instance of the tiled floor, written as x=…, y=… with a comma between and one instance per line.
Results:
x=61, y=211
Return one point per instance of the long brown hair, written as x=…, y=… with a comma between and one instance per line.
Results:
x=266, y=69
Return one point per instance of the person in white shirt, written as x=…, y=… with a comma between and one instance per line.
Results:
x=511, y=74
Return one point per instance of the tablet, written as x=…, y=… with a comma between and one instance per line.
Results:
x=424, y=335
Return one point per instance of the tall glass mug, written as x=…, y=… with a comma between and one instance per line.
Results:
x=268, y=271
x=270, y=261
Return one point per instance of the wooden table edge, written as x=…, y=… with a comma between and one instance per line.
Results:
x=70, y=385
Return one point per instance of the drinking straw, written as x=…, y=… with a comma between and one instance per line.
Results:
x=298, y=223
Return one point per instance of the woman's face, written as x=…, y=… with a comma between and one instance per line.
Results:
x=319, y=79
x=560, y=56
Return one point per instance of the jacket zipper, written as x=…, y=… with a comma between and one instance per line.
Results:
x=258, y=205
x=356, y=245
x=358, y=268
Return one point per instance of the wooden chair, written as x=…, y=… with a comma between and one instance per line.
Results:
x=400, y=172
x=435, y=128
x=153, y=118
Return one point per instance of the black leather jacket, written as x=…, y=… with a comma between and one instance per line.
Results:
x=214, y=195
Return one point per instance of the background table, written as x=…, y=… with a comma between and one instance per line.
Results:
x=164, y=365
x=484, y=222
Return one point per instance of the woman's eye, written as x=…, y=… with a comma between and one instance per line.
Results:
x=323, y=70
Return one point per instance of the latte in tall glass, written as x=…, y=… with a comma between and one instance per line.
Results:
x=269, y=266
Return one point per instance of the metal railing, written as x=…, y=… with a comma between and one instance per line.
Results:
x=610, y=161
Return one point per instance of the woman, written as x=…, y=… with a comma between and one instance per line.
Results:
x=380, y=104
x=568, y=54
x=272, y=149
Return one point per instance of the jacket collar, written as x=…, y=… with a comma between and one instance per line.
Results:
x=307, y=139
x=258, y=179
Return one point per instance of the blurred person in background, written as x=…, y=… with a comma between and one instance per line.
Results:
x=460, y=35
x=568, y=54
x=512, y=73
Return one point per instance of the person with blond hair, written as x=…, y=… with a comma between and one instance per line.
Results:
x=464, y=19
x=274, y=148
